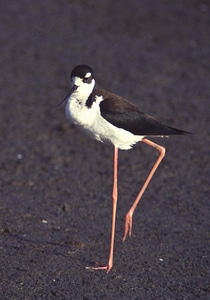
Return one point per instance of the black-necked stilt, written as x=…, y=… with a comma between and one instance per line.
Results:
x=111, y=119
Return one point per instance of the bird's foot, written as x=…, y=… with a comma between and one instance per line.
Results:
x=107, y=268
x=128, y=226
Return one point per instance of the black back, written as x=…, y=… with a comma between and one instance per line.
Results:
x=123, y=114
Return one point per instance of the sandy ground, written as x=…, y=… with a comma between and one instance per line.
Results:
x=55, y=194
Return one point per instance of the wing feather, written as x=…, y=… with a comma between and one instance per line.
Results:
x=123, y=114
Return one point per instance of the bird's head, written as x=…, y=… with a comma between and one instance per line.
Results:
x=82, y=79
x=83, y=82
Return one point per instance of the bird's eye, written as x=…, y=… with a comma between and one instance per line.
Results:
x=87, y=79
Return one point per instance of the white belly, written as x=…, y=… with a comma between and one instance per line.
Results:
x=91, y=121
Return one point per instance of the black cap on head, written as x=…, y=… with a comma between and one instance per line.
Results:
x=81, y=71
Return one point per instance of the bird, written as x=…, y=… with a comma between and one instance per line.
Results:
x=111, y=119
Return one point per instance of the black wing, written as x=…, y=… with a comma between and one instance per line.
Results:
x=123, y=114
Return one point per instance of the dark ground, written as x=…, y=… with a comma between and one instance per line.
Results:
x=56, y=184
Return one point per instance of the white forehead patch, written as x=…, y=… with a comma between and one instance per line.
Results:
x=87, y=75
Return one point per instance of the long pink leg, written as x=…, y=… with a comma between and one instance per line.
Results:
x=114, y=209
x=129, y=215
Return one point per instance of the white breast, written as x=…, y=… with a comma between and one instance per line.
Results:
x=91, y=121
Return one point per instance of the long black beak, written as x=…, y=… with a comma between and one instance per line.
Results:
x=74, y=87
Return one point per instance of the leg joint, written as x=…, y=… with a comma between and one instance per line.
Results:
x=162, y=150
